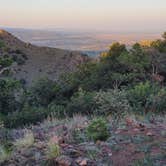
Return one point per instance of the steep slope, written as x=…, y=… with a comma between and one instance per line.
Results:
x=40, y=61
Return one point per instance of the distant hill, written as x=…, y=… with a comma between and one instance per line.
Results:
x=35, y=62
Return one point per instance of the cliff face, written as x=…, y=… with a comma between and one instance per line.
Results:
x=38, y=62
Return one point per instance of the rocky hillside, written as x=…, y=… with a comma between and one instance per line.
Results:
x=32, y=62
x=65, y=143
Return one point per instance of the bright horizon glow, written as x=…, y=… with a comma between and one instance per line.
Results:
x=119, y=15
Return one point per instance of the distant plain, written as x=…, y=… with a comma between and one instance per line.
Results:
x=90, y=42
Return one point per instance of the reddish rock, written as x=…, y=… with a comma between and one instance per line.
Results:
x=83, y=162
x=149, y=134
x=64, y=161
x=57, y=140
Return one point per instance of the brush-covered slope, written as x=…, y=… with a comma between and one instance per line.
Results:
x=33, y=62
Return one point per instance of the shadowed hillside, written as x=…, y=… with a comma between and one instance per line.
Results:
x=37, y=61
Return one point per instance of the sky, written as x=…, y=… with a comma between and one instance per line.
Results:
x=113, y=15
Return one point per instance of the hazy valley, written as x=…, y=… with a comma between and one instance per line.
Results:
x=90, y=42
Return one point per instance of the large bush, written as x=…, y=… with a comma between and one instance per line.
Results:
x=112, y=102
x=156, y=103
x=81, y=103
x=32, y=115
x=43, y=92
x=147, y=97
x=2, y=44
x=135, y=60
x=29, y=115
x=86, y=77
x=5, y=62
x=8, y=99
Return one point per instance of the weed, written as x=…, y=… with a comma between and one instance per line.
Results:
x=98, y=130
x=4, y=153
x=26, y=141
x=53, y=150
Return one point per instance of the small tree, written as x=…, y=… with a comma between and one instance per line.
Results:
x=98, y=130
x=135, y=60
x=112, y=102
x=116, y=49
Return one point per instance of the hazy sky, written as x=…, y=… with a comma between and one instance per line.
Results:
x=118, y=15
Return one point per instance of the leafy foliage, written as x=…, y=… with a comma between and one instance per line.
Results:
x=156, y=102
x=5, y=62
x=112, y=102
x=81, y=103
x=4, y=154
x=135, y=60
x=58, y=111
x=8, y=102
x=160, y=44
x=119, y=81
x=43, y=92
x=98, y=130
x=29, y=115
x=53, y=150
x=146, y=97
x=2, y=44
x=116, y=49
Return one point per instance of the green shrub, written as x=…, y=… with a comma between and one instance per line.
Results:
x=29, y=115
x=53, y=150
x=135, y=60
x=116, y=49
x=57, y=111
x=86, y=77
x=157, y=102
x=32, y=115
x=81, y=103
x=139, y=96
x=43, y=92
x=4, y=154
x=5, y=62
x=112, y=102
x=8, y=102
x=2, y=44
x=98, y=130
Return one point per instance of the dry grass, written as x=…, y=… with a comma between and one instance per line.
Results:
x=26, y=141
